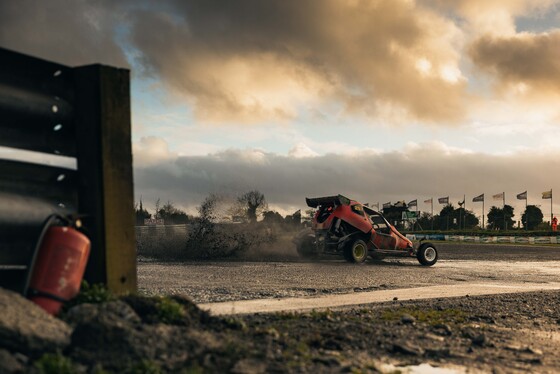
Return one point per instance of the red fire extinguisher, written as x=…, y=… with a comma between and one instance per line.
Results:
x=59, y=267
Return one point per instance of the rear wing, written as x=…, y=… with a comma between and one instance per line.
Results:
x=327, y=201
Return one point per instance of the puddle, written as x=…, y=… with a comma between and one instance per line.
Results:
x=423, y=369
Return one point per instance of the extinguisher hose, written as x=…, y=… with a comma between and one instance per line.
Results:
x=36, y=293
x=46, y=224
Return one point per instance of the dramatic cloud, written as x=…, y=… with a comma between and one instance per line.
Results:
x=392, y=61
x=494, y=17
x=419, y=171
x=251, y=60
x=522, y=66
x=70, y=32
x=525, y=60
x=317, y=75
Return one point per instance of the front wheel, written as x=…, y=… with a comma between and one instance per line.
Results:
x=427, y=254
x=356, y=252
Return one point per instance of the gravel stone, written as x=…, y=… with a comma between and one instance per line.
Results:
x=249, y=366
x=407, y=319
x=408, y=349
x=9, y=363
x=84, y=313
x=25, y=327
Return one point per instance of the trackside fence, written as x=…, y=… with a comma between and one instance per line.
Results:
x=488, y=239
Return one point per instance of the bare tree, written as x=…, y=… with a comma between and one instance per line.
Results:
x=253, y=203
x=140, y=213
x=172, y=215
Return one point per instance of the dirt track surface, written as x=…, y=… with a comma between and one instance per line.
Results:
x=285, y=275
x=513, y=333
x=518, y=333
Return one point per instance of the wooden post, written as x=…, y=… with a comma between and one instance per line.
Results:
x=104, y=156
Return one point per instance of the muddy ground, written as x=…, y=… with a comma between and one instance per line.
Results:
x=505, y=333
x=514, y=333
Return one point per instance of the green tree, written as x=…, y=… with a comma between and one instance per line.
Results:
x=140, y=213
x=444, y=220
x=272, y=217
x=466, y=218
x=294, y=219
x=451, y=218
x=500, y=218
x=425, y=221
x=532, y=217
x=307, y=217
x=253, y=204
x=172, y=215
x=157, y=204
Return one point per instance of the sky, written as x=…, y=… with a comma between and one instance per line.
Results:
x=378, y=100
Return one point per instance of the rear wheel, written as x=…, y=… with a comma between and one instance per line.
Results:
x=427, y=254
x=356, y=252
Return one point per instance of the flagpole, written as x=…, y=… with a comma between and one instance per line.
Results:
x=526, y=215
x=432, y=199
x=504, y=208
x=461, y=215
x=551, y=216
x=483, y=227
x=416, y=221
x=465, y=208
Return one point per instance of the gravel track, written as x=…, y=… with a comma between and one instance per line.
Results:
x=285, y=275
x=515, y=333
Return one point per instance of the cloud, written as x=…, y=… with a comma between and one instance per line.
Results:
x=301, y=150
x=515, y=75
x=418, y=171
x=253, y=60
x=526, y=61
x=69, y=32
x=392, y=61
x=152, y=150
x=493, y=17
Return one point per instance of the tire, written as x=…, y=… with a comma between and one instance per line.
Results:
x=427, y=254
x=356, y=252
x=306, y=247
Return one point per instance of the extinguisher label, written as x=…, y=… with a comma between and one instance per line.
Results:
x=64, y=259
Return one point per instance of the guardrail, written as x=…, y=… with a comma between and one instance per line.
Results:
x=84, y=113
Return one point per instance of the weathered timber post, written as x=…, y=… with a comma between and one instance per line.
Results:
x=104, y=156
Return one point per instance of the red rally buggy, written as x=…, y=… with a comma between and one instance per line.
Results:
x=342, y=226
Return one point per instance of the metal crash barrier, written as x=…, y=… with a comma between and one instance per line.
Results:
x=82, y=113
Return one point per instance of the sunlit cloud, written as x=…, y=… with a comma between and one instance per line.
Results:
x=419, y=170
x=527, y=61
x=275, y=59
x=379, y=99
